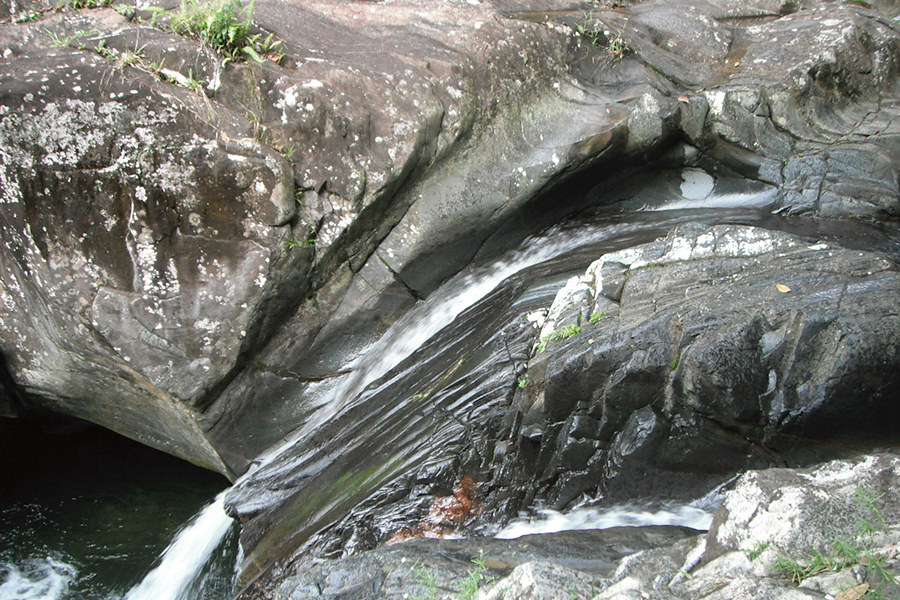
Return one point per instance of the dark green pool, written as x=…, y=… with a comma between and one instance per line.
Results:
x=84, y=512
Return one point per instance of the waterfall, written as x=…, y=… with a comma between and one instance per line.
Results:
x=429, y=317
x=184, y=559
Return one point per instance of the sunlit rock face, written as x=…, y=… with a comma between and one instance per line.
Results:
x=197, y=252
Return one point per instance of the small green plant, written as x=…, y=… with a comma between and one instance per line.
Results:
x=256, y=49
x=192, y=83
x=523, y=382
x=469, y=586
x=79, y=4
x=757, y=550
x=125, y=10
x=224, y=26
x=562, y=334
x=589, y=29
x=674, y=364
x=157, y=67
x=844, y=553
x=172, y=76
x=616, y=47
x=566, y=332
x=259, y=129
x=130, y=58
x=27, y=17
x=595, y=317
x=59, y=41
x=102, y=50
x=428, y=579
x=867, y=499
x=288, y=152
x=790, y=569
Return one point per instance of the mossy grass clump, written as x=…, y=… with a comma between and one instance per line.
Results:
x=223, y=25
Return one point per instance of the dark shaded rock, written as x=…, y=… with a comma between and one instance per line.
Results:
x=614, y=275
x=730, y=342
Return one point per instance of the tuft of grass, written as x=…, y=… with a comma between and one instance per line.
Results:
x=562, y=334
x=288, y=151
x=28, y=16
x=566, y=332
x=60, y=41
x=790, y=569
x=80, y=4
x=427, y=579
x=469, y=586
x=591, y=29
x=615, y=47
x=844, y=553
x=224, y=26
x=757, y=550
x=595, y=317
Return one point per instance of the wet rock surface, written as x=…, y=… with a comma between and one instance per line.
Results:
x=705, y=352
x=836, y=524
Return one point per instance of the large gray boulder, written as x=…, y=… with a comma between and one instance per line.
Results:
x=163, y=213
x=825, y=531
x=705, y=351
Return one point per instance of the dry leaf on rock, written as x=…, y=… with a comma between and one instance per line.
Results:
x=854, y=593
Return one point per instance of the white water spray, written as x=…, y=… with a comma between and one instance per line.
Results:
x=550, y=521
x=186, y=556
x=46, y=579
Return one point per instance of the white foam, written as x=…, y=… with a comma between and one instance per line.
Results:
x=550, y=521
x=186, y=556
x=36, y=579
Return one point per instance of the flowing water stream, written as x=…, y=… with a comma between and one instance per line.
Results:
x=413, y=394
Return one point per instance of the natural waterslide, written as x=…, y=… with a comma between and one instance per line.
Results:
x=242, y=264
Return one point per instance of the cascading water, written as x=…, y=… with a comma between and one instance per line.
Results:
x=413, y=392
x=186, y=556
x=549, y=521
